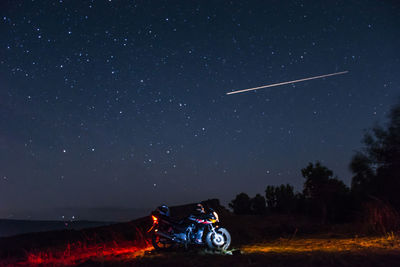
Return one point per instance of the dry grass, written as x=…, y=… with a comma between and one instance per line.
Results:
x=263, y=240
x=388, y=242
x=309, y=251
x=70, y=258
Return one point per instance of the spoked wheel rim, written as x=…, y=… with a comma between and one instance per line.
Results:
x=219, y=240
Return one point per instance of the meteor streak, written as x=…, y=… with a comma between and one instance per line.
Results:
x=283, y=83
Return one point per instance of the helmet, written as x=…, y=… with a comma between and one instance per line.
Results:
x=200, y=208
x=163, y=210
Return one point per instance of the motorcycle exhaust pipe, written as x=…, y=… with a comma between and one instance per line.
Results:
x=164, y=235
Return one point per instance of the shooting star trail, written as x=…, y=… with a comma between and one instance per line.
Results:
x=283, y=83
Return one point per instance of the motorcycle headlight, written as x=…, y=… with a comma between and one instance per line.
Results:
x=216, y=216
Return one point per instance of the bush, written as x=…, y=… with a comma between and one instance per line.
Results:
x=380, y=217
x=241, y=204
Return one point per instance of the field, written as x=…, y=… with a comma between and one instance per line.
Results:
x=256, y=241
x=316, y=251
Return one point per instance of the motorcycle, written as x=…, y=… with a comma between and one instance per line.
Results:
x=167, y=233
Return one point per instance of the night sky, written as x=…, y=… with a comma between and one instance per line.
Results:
x=110, y=105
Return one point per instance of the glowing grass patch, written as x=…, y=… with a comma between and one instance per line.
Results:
x=389, y=242
x=73, y=256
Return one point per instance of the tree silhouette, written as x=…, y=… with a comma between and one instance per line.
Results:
x=377, y=167
x=316, y=178
x=270, y=197
x=327, y=196
x=280, y=198
x=257, y=204
x=241, y=204
x=361, y=184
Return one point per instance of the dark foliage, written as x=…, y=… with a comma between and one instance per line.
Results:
x=379, y=217
x=326, y=196
x=257, y=204
x=281, y=199
x=374, y=196
x=241, y=204
x=376, y=169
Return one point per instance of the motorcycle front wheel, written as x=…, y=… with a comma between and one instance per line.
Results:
x=161, y=243
x=218, y=240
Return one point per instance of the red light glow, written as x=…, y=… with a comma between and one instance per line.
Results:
x=76, y=253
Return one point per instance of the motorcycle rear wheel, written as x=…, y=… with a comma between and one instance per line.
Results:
x=219, y=241
x=162, y=243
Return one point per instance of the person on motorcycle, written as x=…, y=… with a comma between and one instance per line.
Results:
x=163, y=210
x=199, y=213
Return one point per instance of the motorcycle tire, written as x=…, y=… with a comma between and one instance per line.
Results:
x=219, y=241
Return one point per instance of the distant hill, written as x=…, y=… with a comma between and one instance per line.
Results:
x=16, y=227
x=88, y=235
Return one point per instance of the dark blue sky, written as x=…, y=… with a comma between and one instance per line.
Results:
x=122, y=104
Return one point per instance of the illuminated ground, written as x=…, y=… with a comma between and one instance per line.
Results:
x=257, y=241
x=384, y=243
x=357, y=251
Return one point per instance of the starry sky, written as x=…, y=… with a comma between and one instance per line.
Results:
x=123, y=105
